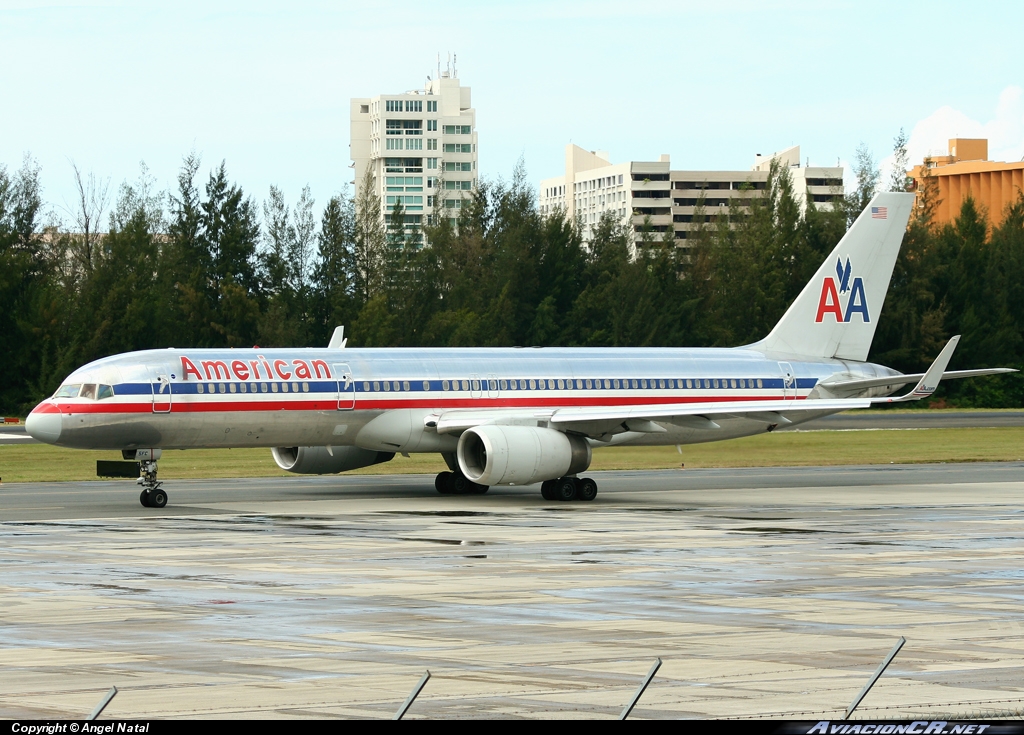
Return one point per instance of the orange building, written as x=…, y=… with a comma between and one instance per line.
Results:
x=966, y=171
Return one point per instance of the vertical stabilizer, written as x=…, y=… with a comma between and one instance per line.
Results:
x=836, y=314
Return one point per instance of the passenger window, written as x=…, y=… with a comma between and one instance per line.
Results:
x=200, y=388
x=242, y=387
x=366, y=385
x=305, y=387
x=295, y=387
x=503, y=384
x=759, y=383
x=444, y=385
x=105, y=392
x=533, y=385
x=387, y=386
x=476, y=385
x=263, y=387
x=376, y=386
x=426, y=385
x=284, y=387
x=88, y=391
x=405, y=385
x=465, y=385
x=607, y=384
x=273, y=387
x=589, y=385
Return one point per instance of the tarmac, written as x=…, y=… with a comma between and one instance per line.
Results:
x=766, y=592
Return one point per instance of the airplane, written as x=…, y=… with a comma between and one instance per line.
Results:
x=501, y=416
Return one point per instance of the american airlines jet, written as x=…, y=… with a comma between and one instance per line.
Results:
x=501, y=416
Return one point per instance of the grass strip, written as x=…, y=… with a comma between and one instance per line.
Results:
x=43, y=463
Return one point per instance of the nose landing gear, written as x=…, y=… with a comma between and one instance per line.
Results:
x=152, y=495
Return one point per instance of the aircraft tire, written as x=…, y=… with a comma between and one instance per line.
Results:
x=565, y=488
x=547, y=490
x=479, y=489
x=157, y=498
x=586, y=490
x=442, y=483
x=459, y=484
x=144, y=499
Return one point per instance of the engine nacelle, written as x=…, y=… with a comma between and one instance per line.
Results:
x=319, y=461
x=520, y=455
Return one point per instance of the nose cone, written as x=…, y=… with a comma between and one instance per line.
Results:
x=44, y=423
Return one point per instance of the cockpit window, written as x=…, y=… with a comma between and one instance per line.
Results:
x=88, y=391
x=68, y=391
x=105, y=392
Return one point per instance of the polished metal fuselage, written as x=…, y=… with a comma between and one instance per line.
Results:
x=182, y=399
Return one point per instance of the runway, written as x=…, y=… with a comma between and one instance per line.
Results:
x=765, y=592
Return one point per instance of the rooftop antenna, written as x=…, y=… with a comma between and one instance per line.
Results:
x=455, y=72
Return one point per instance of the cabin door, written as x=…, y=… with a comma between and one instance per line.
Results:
x=346, y=386
x=788, y=382
x=160, y=384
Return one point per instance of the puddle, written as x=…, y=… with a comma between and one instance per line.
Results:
x=772, y=529
x=446, y=513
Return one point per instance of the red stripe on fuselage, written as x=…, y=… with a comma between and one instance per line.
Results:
x=331, y=404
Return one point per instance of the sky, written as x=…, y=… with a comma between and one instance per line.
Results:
x=265, y=87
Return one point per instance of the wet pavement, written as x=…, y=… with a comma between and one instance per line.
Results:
x=765, y=592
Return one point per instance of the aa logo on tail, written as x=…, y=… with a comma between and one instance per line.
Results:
x=832, y=288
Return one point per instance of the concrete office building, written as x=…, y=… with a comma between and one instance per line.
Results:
x=416, y=146
x=966, y=171
x=638, y=190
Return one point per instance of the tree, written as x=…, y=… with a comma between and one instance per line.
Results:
x=29, y=312
x=88, y=211
x=335, y=297
x=900, y=163
x=866, y=171
x=369, y=239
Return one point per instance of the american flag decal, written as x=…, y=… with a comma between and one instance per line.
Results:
x=879, y=213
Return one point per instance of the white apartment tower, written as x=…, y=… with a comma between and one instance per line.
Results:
x=648, y=195
x=417, y=145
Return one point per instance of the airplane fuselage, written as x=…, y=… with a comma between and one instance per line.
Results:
x=196, y=398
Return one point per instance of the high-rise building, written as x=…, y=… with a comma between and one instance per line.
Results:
x=967, y=172
x=416, y=146
x=649, y=196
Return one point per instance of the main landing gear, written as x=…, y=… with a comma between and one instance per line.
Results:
x=455, y=483
x=152, y=495
x=569, y=488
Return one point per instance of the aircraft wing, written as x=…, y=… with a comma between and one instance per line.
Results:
x=600, y=420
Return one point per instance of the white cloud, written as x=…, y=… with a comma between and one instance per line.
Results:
x=1005, y=132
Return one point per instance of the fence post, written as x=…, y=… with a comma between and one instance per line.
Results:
x=412, y=696
x=102, y=705
x=874, y=677
x=639, y=692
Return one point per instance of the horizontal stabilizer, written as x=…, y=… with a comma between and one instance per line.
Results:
x=932, y=377
x=853, y=386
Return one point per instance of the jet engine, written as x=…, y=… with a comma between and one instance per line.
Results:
x=520, y=455
x=324, y=461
